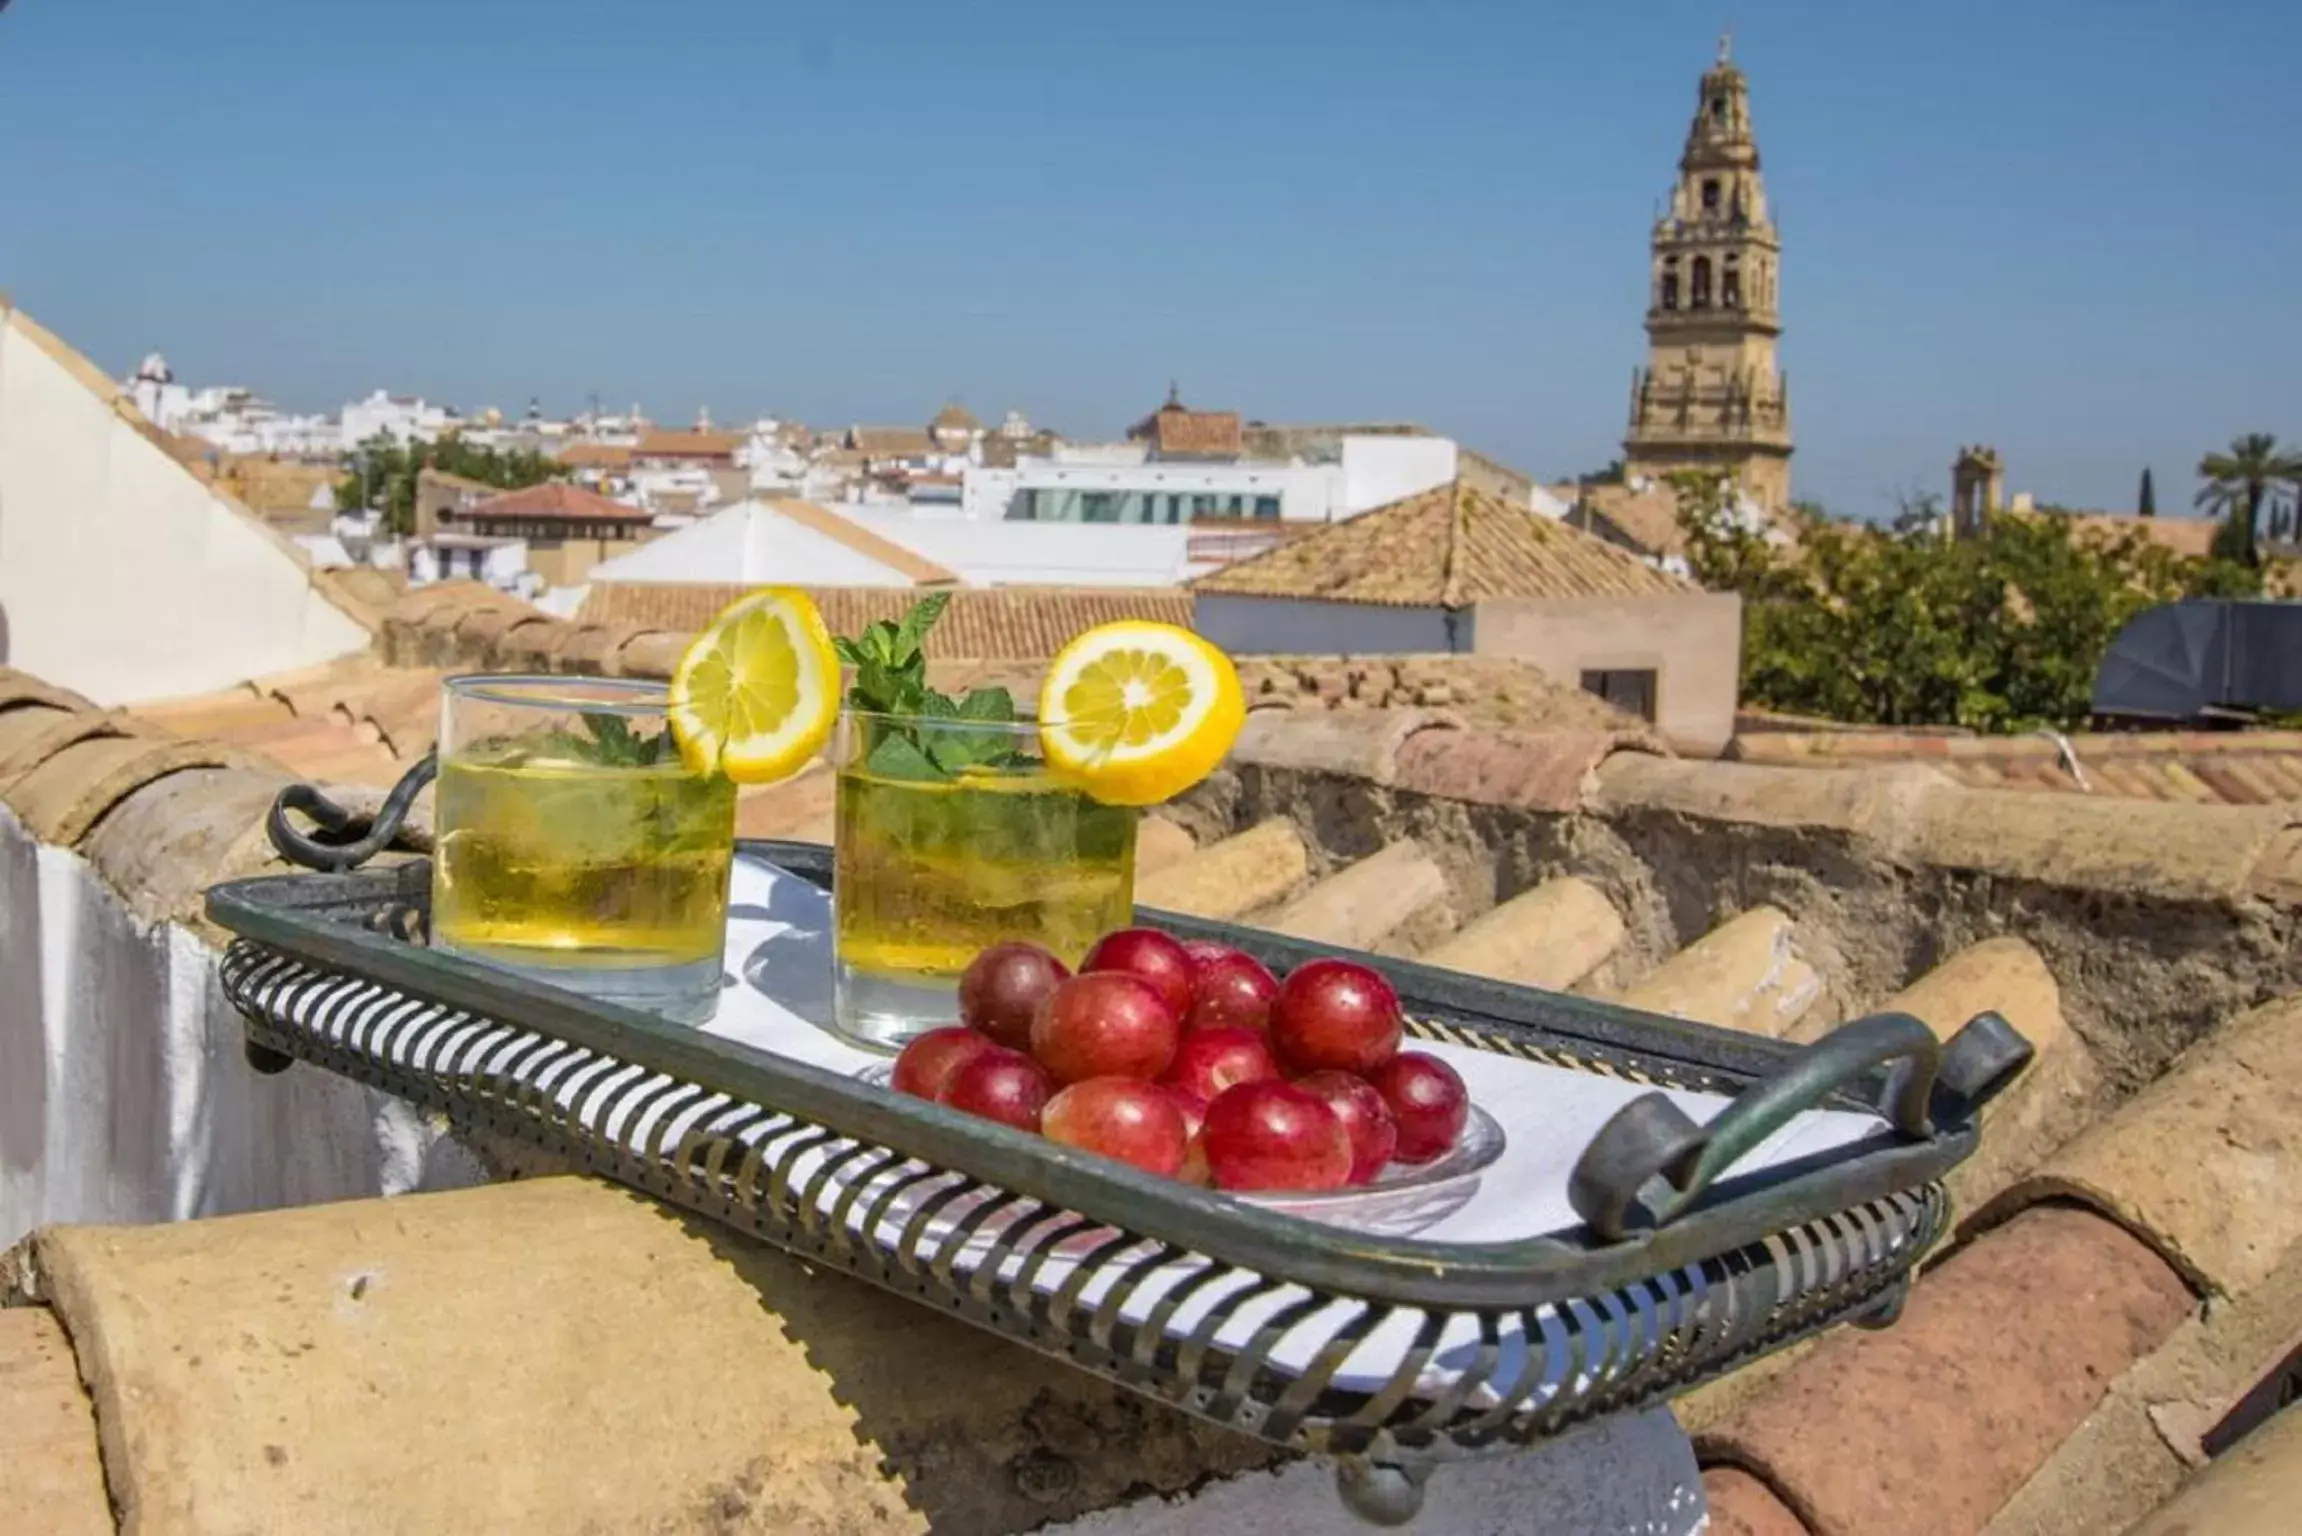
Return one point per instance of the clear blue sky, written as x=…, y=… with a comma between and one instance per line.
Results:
x=2065, y=227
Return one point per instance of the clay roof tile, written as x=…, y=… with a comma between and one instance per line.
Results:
x=1451, y=547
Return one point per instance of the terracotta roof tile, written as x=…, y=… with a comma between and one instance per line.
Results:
x=891, y=442
x=1647, y=518
x=677, y=444
x=350, y=722
x=993, y=623
x=2203, y=1163
x=31, y=735
x=1929, y=1426
x=51, y=1475
x=2182, y=767
x=1447, y=547
x=1197, y=434
x=68, y=793
x=596, y=455
x=554, y=501
x=23, y=688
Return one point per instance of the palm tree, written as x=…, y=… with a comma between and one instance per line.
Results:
x=2239, y=481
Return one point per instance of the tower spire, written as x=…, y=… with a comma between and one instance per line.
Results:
x=1718, y=401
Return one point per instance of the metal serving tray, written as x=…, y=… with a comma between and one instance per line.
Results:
x=1249, y=1317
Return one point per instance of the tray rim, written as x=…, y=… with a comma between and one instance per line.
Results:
x=275, y=913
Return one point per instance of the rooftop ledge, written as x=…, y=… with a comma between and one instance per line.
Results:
x=260, y=1371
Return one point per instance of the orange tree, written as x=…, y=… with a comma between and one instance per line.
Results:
x=2001, y=631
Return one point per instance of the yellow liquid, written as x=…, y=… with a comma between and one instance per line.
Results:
x=575, y=865
x=928, y=874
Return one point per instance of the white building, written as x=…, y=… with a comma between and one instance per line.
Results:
x=1128, y=483
x=122, y=575
x=230, y=416
x=402, y=418
x=789, y=543
x=798, y=543
x=1005, y=554
x=500, y=562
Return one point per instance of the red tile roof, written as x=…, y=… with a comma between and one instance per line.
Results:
x=1450, y=546
x=556, y=501
x=891, y=442
x=596, y=455
x=981, y=623
x=1212, y=434
x=2200, y=767
x=674, y=444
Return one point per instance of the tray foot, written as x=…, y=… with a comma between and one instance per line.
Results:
x=263, y=1059
x=1381, y=1492
x=1886, y=1311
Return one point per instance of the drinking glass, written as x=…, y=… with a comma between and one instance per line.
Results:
x=953, y=835
x=575, y=847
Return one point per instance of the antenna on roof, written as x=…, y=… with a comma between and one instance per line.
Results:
x=1726, y=45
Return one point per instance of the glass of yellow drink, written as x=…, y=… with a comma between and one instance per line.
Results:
x=953, y=835
x=573, y=844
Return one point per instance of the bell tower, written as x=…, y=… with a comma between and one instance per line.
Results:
x=1710, y=396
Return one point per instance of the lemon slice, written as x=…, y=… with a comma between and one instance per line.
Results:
x=1135, y=713
x=756, y=694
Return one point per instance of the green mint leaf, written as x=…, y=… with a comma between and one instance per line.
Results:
x=988, y=704
x=611, y=737
x=897, y=756
x=913, y=631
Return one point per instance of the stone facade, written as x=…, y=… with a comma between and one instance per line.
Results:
x=1977, y=489
x=1710, y=396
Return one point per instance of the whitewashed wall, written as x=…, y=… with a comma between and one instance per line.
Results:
x=124, y=1093
x=121, y=575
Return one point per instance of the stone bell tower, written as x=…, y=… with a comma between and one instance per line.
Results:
x=1710, y=396
x=1977, y=489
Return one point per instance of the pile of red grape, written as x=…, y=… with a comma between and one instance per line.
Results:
x=1191, y=1060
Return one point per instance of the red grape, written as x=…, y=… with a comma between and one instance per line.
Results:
x=1193, y=1106
x=1427, y=1099
x=1232, y=988
x=1122, y=1117
x=1003, y=987
x=1207, y=1061
x=1202, y=951
x=1367, y=1120
x=928, y=1063
x=1273, y=1135
x=1336, y=1015
x=1152, y=957
x=1103, y=1024
x=1002, y=1085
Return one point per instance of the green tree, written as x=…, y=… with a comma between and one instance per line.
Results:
x=2146, y=500
x=2236, y=485
x=382, y=473
x=2002, y=631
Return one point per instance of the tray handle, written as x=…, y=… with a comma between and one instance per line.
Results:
x=342, y=839
x=1652, y=1160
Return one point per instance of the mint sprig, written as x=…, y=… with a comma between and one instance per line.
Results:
x=890, y=661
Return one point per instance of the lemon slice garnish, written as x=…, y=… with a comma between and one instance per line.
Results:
x=756, y=694
x=1135, y=713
